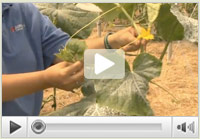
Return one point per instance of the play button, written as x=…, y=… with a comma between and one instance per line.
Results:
x=99, y=67
x=14, y=127
x=104, y=64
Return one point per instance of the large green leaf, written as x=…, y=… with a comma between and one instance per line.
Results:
x=68, y=17
x=167, y=25
x=73, y=51
x=128, y=95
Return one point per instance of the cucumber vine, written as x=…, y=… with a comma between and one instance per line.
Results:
x=127, y=95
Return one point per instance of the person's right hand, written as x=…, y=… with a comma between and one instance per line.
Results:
x=64, y=75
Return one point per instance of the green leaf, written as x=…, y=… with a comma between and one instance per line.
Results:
x=73, y=51
x=76, y=109
x=68, y=17
x=153, y=11
x=147, y=66
x=117, y=13
x=127, y=95
x=129, y=7
x=167, y=25
x=107, y=6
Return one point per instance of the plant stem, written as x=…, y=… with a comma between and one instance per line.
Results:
x=168, y=41
x=93, y=21
x=165, y=90
x=128, y=16
x=141, y=49
x=54, y=98
x=165, y=49
x=131, y=42
x=133, y=12
x=193, y=11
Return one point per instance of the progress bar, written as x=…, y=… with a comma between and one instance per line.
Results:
x=101, y=127
x=89, y=127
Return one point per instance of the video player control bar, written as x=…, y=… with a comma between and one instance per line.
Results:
x=100, y=127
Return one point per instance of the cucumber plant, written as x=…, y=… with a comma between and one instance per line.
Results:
x=125, y=96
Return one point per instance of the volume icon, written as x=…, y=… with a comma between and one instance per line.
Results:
x=182, y=127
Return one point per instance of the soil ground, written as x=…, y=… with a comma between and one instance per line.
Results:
x=179, y=76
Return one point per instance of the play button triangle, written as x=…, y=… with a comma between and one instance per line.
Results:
x=14, y=127
x=101, y=64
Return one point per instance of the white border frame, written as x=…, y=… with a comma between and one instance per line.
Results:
x=100, y=1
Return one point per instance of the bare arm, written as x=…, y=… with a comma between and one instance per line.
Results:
x=118, y=40
x=63, y=75
x=18, y=85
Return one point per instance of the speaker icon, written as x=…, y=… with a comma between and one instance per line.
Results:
x=184, y=128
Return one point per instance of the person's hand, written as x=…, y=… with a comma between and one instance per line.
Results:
x=64, y=75
x=127, y=39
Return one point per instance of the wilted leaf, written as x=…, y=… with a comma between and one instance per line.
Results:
x=73, y=51
x=68, y=17
x=153, y=11
x=167, y=25
x=89, y=7
x=190, y=25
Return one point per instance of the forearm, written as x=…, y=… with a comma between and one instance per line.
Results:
x=18, y=85
x=98, y=43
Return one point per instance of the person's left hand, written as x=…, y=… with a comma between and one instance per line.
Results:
x=123, y=38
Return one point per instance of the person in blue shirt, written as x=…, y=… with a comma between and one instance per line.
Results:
x=29, y=42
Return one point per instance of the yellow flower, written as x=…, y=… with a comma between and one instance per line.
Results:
x=146, y=34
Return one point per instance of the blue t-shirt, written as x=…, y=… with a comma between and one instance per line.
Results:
x=30, y=41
